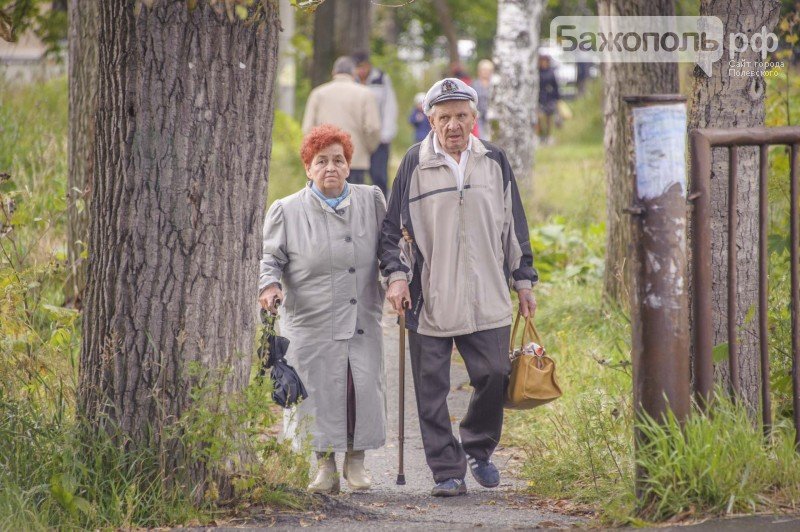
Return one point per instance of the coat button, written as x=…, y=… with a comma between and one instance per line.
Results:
x=360, y=331
x=351, y=270
x=348, y=239
x=353, y=301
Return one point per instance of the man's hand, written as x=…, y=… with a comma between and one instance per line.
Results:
x=399, y=296
x=270, y=298
x=527, y=303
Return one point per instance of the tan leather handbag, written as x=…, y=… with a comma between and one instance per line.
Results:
x=533, y=374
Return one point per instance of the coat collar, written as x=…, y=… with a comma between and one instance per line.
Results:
x=315, y=202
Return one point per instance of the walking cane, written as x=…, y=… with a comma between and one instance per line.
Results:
x=401, y=429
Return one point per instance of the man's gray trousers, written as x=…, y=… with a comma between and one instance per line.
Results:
x=485, y=354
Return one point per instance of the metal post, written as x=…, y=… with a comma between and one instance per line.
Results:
x=702, y=330
x=659, y=305
x=733, y=222
x=763, y=309
x=794, y=189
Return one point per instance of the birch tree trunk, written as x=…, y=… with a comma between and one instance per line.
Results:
x=181, y=158
x=626, y=79
x=722, y=101
x=83, y=30
x=514, y=98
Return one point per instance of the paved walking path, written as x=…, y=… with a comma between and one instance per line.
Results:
x=389, y=506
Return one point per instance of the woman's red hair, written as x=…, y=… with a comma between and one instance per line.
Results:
x=323, y=136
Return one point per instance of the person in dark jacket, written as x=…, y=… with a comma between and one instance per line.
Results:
x=418, y=119
x=454, y=239
x=548, y=97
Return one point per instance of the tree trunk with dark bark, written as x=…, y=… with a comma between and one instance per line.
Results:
x=723, y=101
x=324, y=39
x=514, y=97
x=83, y=61
x=449, y=28
x=340, y=28
x=352, y=26
x=619, y=80
x=182, y=158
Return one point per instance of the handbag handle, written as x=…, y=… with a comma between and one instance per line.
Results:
x=529, y=331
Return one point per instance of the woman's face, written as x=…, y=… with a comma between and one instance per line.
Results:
x=329, y=170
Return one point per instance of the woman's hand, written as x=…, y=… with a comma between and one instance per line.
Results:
x=271, y=298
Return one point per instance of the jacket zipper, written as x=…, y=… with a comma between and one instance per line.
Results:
x=464, y=241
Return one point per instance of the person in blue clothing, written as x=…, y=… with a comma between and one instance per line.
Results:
x=417, y=118
x=549, y=96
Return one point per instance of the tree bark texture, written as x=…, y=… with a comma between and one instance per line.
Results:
x=514, y=97
x=626, y=79
x=83, y=61
x=449, y=28
x=324, y=48
x=340, y=28
x=724, y=101
x=182, y=158
x=352, y=26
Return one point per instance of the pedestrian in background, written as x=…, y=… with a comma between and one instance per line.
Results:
x=483, y=87
x=380, y=84
x=417, y=118
x=549, y=96
x=351, y=107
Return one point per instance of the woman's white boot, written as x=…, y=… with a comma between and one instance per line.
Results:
x=354, y=471
x=327, y=480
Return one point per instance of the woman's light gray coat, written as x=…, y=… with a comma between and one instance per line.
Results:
x=327, y=263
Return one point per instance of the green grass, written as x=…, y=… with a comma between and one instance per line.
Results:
x=580, y=446
x=717, y=464
x=568, y=176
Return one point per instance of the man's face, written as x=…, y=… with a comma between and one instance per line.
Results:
x=362, y=70
x=453, y=121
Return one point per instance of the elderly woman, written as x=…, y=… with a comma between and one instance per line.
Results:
x=320, y=259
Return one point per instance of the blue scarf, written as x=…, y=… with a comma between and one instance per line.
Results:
x=333, y=202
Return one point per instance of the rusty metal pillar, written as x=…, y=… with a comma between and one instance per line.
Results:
x=659, y=295
x=702, y=331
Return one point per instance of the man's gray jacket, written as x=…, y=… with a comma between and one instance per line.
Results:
x=463, y=247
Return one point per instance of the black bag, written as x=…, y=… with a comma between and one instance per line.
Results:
x=287, y=388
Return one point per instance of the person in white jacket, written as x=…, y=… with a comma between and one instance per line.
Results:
x=381, y=85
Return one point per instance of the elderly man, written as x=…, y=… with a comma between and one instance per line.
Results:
x=350, y=106
x=455, y=230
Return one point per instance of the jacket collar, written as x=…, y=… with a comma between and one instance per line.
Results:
x=428, y=158
x=343, y=77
